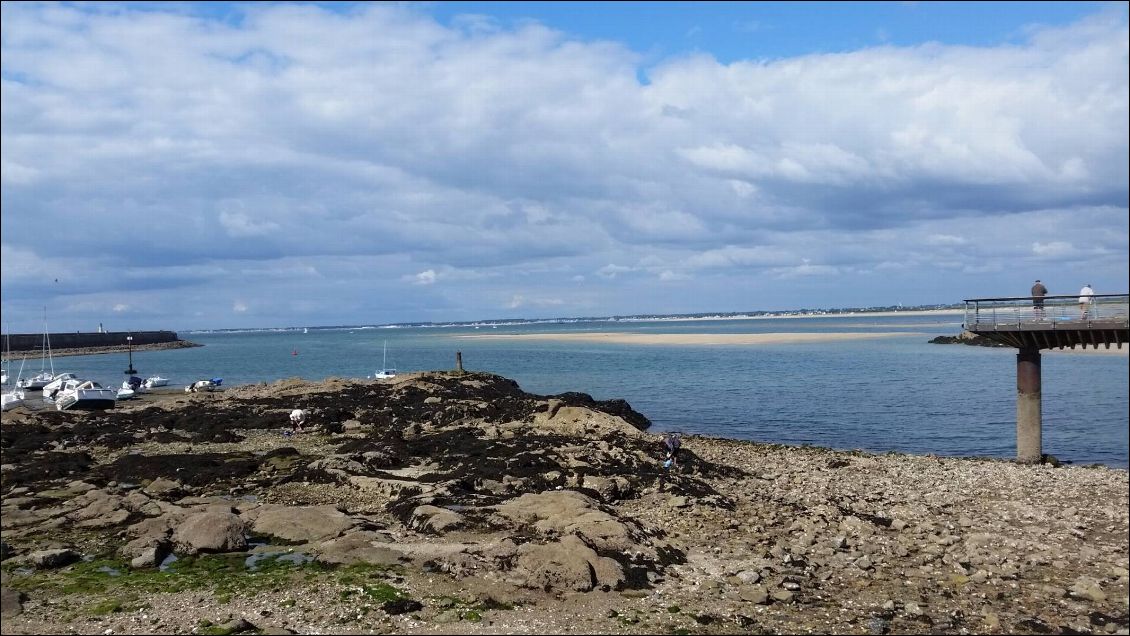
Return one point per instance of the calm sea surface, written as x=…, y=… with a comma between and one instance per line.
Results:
x=900, y=393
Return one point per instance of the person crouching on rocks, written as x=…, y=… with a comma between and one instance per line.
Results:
x=672, y=443
x=297, y=419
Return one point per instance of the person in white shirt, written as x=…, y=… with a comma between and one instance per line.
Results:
x=1086, y=299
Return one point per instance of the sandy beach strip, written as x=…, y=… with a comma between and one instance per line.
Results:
x=609, y=337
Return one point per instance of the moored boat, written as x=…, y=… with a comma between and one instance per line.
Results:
x=37, y=382
x=57, y=383
x=85, y=395
x=386, y=372
x=155, y=381
x=12, y=399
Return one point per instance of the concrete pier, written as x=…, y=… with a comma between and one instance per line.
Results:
x=1029, y=409
x=1047, y=322
x=81, y=340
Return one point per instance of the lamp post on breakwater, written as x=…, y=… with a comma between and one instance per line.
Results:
x=1032, y=323
x=129, y=343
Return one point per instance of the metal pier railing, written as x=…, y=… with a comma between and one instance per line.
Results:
x=1051, y=322
x=1032, y=323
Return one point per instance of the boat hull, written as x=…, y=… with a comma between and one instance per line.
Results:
x=37, y=383
x=99, y=402
x=13, y=399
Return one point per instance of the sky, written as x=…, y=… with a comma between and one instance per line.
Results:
x=223, y=165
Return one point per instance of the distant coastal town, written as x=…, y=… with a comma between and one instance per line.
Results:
x=726, y=315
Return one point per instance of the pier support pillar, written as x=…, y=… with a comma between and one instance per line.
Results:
x=1029, y=428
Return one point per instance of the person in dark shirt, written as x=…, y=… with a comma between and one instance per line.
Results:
x=1038, y=293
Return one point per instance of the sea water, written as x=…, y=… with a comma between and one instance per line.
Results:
x=897, y=393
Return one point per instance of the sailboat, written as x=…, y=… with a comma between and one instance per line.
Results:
x=385, y=372
x=7, y=356
x=37, y=382
x=15, y=397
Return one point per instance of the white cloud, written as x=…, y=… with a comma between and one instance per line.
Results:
x=945, y=239
x=241, y=225
x=426, y=277
x=363, y=155
x=669, y=275
x=611, y=270
x=1053, y=249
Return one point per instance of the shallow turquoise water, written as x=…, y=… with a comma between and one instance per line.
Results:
x=900, y=393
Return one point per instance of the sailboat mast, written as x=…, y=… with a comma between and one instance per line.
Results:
x=47, y=341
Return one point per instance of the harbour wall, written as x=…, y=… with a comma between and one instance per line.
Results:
x=79, y=340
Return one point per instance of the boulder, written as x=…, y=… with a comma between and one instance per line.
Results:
x=147, y=551
x=11, y=603
x=212, y=531
x=149, y=557
x=302, y=524
x=583, y=422
x=162, y=488
x=49, y=559
x=356, y=547
x=435, y=519
x=565, y=512
x=567, y=565
x=100, y=509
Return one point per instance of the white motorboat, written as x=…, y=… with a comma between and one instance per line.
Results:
x=12, y=399
x=56, y=383
x=85, y=395
x=203, y=385
x=131, y=388
x=386, y=372
x=154, y=381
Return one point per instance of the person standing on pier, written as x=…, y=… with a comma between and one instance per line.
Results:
x=1086, y=299
x=1038, y=293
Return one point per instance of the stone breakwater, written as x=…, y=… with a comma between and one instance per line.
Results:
x=156, y=346
x=457, y=503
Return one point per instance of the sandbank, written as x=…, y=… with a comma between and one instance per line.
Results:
x=693, y=338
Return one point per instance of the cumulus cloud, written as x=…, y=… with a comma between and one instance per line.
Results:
x=1052, y=249
x=368, y=153
x=426, y=277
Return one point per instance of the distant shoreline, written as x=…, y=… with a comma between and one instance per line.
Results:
x=778, y=316
x=693, y=338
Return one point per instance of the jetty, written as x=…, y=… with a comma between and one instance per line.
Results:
x=87, y=340
x=1034, y=323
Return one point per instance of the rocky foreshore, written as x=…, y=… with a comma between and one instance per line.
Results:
x=457, y=503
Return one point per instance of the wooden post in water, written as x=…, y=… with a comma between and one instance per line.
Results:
x=1028, y=406
x=459, y=361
